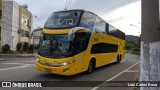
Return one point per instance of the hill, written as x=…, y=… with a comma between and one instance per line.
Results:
x=131, y=38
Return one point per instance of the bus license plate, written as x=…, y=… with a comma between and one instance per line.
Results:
x=47, y=70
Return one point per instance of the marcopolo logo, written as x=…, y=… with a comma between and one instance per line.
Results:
x=6, y=84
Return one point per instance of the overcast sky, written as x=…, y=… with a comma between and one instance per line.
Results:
x=119, y=13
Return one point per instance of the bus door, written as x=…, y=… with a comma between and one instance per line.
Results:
x=79, y=55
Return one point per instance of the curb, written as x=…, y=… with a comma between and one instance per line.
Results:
x=17, y=55
x=5, y=59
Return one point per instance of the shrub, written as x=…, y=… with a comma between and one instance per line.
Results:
x=31, y=48
x=136, y=52
x=25, y=46
x=136, y=49
x=6, y=48
x=19, y=47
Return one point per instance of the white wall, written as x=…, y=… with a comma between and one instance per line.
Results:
x=15, y=24
x=7, y=22
x=11, y=24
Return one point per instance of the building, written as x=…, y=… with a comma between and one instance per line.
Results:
x=25, y=24
x=16, y=24
x=10, y=24
x=1, y=10
x=36, y=36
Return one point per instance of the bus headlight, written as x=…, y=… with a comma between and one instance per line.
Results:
x=69, y=62
x=37, y=59
x=55, y=64
x=62, y=64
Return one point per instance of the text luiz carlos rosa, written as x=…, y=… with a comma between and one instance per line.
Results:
x=143, y=84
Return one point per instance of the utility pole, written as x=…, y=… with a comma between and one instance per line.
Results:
x=150, y=43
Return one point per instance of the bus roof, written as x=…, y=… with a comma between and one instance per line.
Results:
x=88, y=12
x=77, y=10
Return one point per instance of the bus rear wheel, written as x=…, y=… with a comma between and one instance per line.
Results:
x=118, y=60
x=90, y=67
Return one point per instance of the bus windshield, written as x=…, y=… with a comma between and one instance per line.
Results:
x=55, y=46
x=63, y=19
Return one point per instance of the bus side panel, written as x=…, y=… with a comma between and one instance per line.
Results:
x=78, y=63
x=105, y=58
x=100, y=59
x=123, y=48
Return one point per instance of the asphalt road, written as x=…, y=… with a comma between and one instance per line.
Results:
x=22, y=69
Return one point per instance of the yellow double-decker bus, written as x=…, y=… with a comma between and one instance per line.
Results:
x=75, y=41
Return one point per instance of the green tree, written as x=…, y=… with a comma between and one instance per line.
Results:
x=19, y=47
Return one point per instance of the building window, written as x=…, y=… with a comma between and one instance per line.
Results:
x=24, y=33
x=24, y=21
x=28, y=24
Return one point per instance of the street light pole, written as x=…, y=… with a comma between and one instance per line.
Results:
x=135, y=26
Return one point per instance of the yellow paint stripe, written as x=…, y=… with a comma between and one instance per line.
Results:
x=59, y=31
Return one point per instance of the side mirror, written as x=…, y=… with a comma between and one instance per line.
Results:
x=72, y=32
x=95, y=32
x=99, y=32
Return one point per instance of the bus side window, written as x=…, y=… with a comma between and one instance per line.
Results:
x=88, y=21
x=100, y=26
x=112, y=31
x=79, y=46
x=104, y=48
x=107, y=28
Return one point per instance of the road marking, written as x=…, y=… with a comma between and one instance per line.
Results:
x=123, y=61
x=132, y=71
x=16, y=67
x=95, y=88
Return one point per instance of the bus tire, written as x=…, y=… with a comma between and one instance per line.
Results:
x=118, y=60
x=91, y=66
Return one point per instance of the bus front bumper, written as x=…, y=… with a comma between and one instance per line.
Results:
x=62, y=70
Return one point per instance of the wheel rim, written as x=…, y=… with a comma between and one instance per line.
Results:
x=90, y=67
x=117, y=61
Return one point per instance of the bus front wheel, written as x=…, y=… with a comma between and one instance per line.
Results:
x=90, y=67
